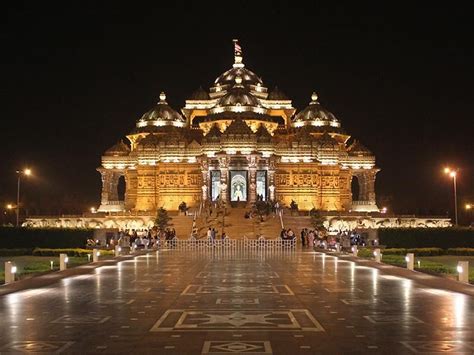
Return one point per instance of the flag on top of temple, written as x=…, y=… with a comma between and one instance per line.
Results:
x=237, y=48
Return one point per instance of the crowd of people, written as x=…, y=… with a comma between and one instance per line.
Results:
x=138, y=239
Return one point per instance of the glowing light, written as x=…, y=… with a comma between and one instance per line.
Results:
x=27, y=172
x=66, y=259
x=459, y=269
x=10, y=206
x=93, y=210
x=406, y=258
x=468, y=206
x=14, y=269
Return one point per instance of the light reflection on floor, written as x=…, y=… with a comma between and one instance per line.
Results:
x=276, y=302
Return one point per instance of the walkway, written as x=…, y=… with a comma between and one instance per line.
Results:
x=205, y=302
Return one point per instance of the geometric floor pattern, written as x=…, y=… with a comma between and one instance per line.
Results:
x=244, y=302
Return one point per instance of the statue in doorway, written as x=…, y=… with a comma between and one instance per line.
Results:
x=238, y=196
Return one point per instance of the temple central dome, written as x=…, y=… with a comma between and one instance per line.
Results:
x=248, y=77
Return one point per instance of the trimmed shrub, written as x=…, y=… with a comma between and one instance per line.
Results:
x=460, y=251
x=394, y=251
x=14, y=252
x=426, y=251
x=69, y=252
x=426, y=237
x=11, y=237
x=365, y=253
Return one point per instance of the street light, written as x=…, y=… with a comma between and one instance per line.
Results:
x=469, y=207
x=26, y=172
x=452, y=173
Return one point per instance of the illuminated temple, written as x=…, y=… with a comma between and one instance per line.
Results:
x=238, y=142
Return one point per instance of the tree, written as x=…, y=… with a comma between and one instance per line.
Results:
x=317, y=220
x=162, y=219
x=262, y=208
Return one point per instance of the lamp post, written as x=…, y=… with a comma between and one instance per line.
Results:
x=469, y=207
x=452, y=173
x=26, y=172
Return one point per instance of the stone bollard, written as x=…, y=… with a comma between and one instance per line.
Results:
x=95, y=255
x=63, y=260
x=355, y=251
x=10, y=271
x=118, y=250
x=410, y=259
x=463, y=270
x=338, y=247
x=377, y=255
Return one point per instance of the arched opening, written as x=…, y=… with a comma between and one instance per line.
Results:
x=355, y=189
x=121, y=188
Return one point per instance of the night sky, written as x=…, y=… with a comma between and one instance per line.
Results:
x=76, y=77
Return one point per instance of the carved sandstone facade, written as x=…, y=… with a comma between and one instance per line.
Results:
x=238, y=143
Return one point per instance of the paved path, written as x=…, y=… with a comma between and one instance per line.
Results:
x=184, y=302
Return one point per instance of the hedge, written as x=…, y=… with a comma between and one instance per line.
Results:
x=426, y=237
x=14, y=238
x=394, y=251
x=368, y=252
x=460, y=251
x=68, y=251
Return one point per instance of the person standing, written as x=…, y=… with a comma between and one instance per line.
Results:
x=303, y=235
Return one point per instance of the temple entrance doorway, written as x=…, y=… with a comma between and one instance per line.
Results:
x=238, y=185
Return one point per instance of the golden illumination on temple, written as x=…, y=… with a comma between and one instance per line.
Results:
x=237, y=142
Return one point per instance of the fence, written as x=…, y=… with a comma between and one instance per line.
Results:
x=231, y=244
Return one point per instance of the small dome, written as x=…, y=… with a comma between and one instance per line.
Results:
x=315, y=114
x=119, y=149
x=199, y=95
x=248, y=77
x=277, y=94
x=161, y=115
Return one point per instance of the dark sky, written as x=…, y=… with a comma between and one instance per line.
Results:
x=76, y=77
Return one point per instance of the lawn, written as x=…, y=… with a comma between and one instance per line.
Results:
x=29, y=266
x=444, y=265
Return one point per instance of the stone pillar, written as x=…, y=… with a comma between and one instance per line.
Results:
x=104, y=176
x=271, y=179
x=109, y=185
x=252, y=161
x=224, y=168
x=205, y=179
x=369, y=182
